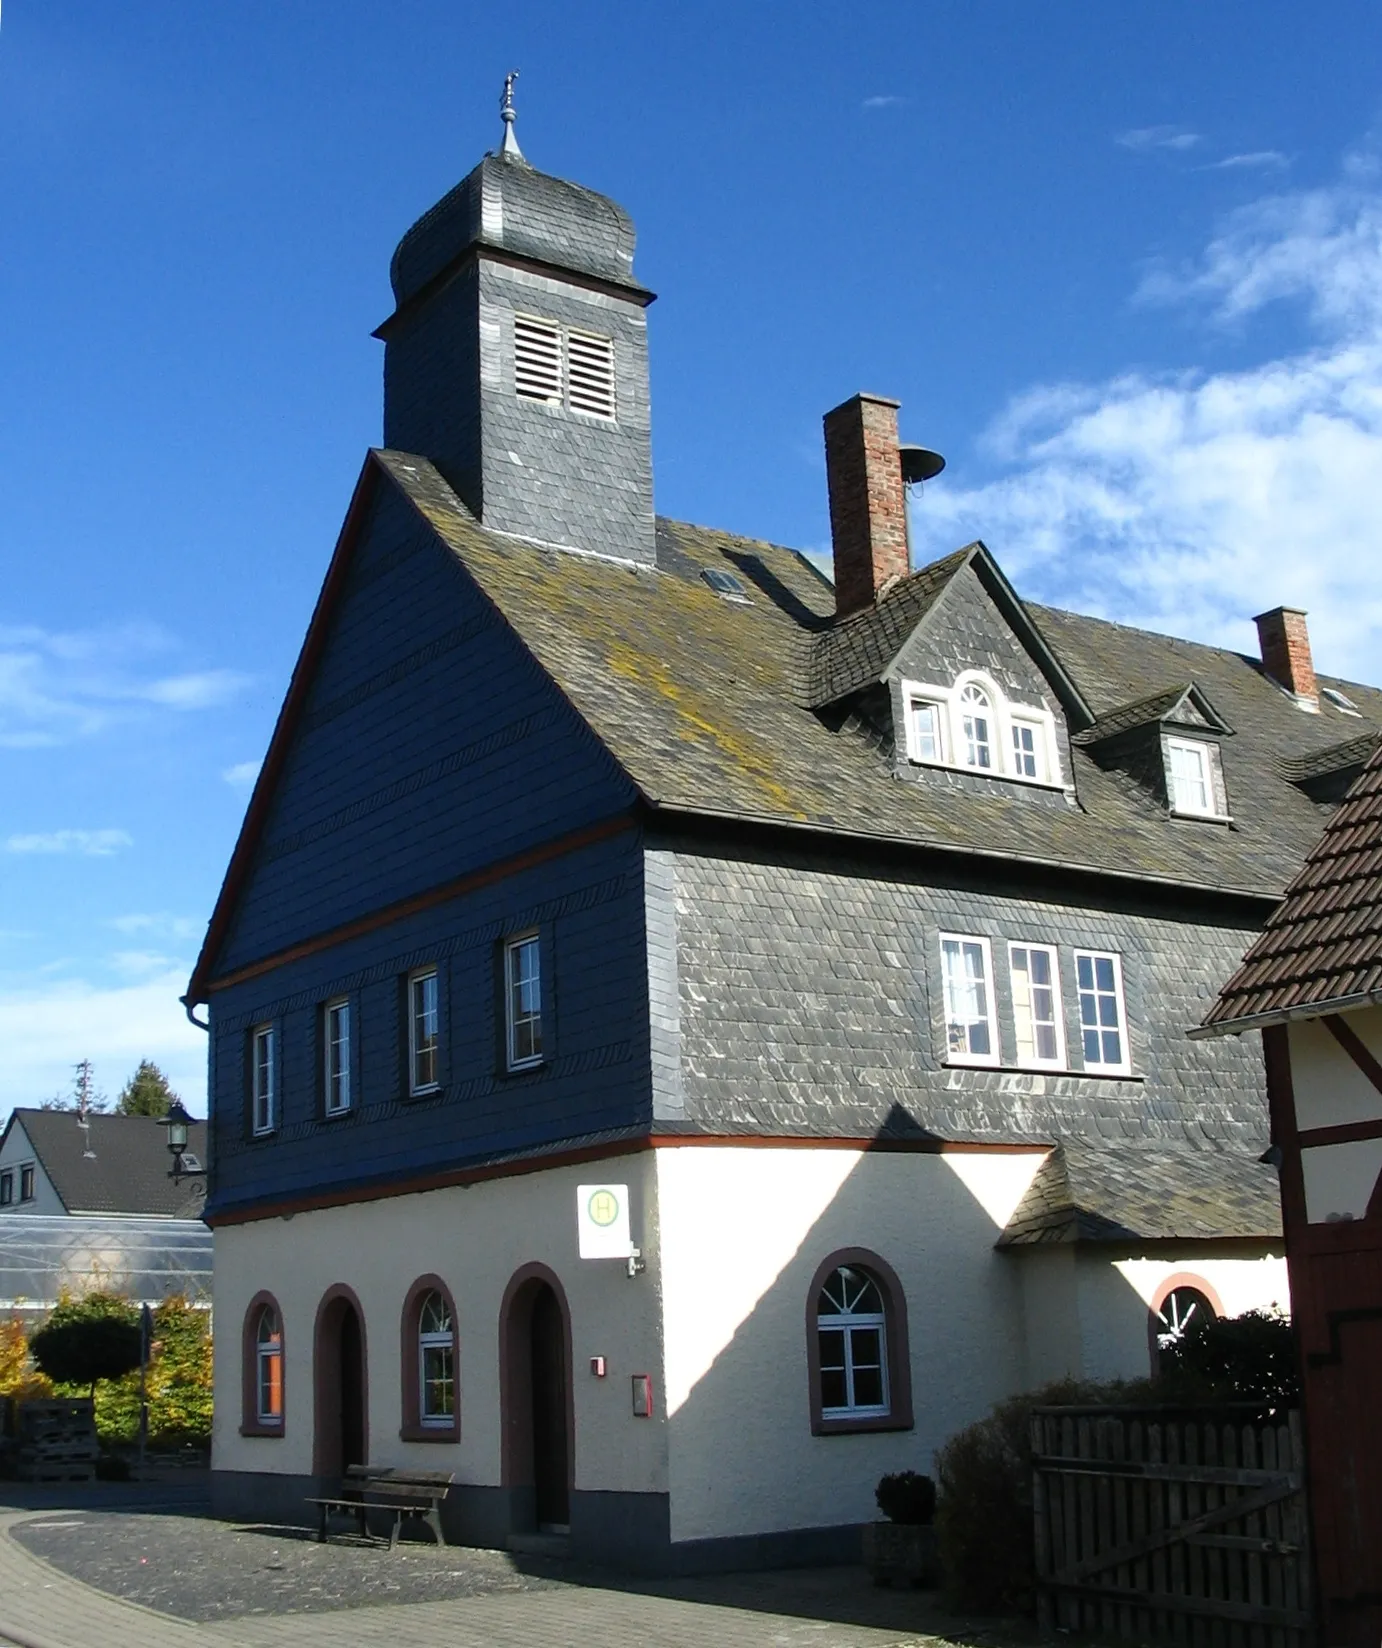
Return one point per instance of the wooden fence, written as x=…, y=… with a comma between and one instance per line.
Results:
x=1161, y=1524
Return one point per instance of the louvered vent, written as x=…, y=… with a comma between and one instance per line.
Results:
x=590, y=373
x=537, y=359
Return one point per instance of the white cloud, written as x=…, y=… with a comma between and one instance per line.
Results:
x=45, y=1031
x=887, y=101
x=1260, y=160
x=1190, y=500
x=84, y=843
x=1143, y=139
x=157, y=924
x=140, y=963
x=59, y=686
x=242, y=775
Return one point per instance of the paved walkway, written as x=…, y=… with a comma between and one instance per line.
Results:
x=43, y=1608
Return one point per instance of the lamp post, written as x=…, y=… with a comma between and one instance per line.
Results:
x=177, y=1122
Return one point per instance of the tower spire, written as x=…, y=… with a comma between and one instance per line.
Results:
x=509, y=149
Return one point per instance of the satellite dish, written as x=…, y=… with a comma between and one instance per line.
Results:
x=919, y=463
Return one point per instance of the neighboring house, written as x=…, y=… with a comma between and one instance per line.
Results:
x=1312, y=983
x=90, y=1202
x=853, y=929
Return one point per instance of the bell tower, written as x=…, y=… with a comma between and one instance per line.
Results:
x=516, y=357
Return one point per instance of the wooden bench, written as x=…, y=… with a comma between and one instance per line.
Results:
x=395, y=1489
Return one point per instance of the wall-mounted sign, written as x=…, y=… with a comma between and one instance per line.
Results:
x=602, y=1221
x=643, y=1396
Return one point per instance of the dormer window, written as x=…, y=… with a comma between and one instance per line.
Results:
x=1191, y=790
x=975, y=720
x=971, y=725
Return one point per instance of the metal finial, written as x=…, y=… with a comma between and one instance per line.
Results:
x=510, y=149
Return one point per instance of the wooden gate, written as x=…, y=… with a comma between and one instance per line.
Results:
x=1188, y=1527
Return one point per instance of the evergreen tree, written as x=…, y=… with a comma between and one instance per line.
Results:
x=146, y=1093
x=85, y=1097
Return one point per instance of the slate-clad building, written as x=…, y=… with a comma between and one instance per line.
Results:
x=852, y=929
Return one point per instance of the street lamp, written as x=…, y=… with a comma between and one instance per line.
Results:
x=177, y=1122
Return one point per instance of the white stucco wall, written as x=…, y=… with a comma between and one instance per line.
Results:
x=742, y=1231
x=475, y=1238
x=18, y=1152
x=1331, y=1091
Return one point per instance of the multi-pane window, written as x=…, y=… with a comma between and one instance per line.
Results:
x=336, y=1056
x=1192, y=790
x=1028, y=747
x=6, y=1189
x=424, y=1010
x=268, y=1368
x=928, y=739
x=970, y=1032
x=564, y=366
x=852, y=1335
x=523, y=998
x=263, y=1079
x=976, y=723
x=1103, y=1029
x=436, y=1339
x=1034, y=975
x=26, y=1182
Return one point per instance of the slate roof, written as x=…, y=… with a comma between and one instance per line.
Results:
x=1352, y=752
x=1322, y=946
x=127, y=1170
x=1085, y=1192
x=700, y=700
x=1144, y=712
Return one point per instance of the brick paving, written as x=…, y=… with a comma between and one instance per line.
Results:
x=270, y=1588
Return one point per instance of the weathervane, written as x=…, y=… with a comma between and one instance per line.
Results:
x=508, y=115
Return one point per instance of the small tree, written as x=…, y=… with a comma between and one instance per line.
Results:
x=146, y=1093
x=89, y=1339
x=17, y=1375
x=85, y=1096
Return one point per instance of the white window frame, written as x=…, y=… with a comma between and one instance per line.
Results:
x=953, y=1056
x=515, y=1017
x=1203, y=753
x=435, y=1341
x=1003, y=717
x=266, y=1352
x=1034, y=1061
x=417, y=982
x=263, y=1079
x=336, y=1060
x=846, y=1323
x=1124, y=1066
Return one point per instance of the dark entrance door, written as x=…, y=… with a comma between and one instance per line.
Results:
x=352, y=1389
x=549, y=1387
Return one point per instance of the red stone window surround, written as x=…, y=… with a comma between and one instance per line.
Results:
x=251, y=1423
x=896, y=1351
x=410, y=1359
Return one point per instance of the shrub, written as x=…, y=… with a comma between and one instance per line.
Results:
x=907, y=1496
x=1248, y=1358
x=83, y=1352
x=18, y=1376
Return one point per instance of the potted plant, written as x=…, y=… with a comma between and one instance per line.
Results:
x=903, y=1547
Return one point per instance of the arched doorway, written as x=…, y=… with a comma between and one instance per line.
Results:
x=535, y=1338
x=341, y=1385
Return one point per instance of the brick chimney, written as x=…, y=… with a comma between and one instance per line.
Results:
x=868, y=502
x=1285, y=644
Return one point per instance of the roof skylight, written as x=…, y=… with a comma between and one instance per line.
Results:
x=725, y=583
x=1340, y=700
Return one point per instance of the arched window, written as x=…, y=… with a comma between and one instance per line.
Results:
x=436, y=1340
x=431, y=1402
x=1179, y=1305
x=268, y=1364
x=976, y=726
x=857, y=1346
x=262, y=1407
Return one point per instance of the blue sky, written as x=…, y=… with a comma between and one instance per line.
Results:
x=1121, y=264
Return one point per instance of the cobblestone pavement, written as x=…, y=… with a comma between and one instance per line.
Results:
x=241, y=1587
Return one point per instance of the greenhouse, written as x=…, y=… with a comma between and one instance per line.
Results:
x=42, y=1257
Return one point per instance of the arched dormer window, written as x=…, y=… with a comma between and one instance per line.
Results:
x=857, y=1346
x=262, y=1406
x=431, y=1407
x=974, y=726
x=976, y=722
